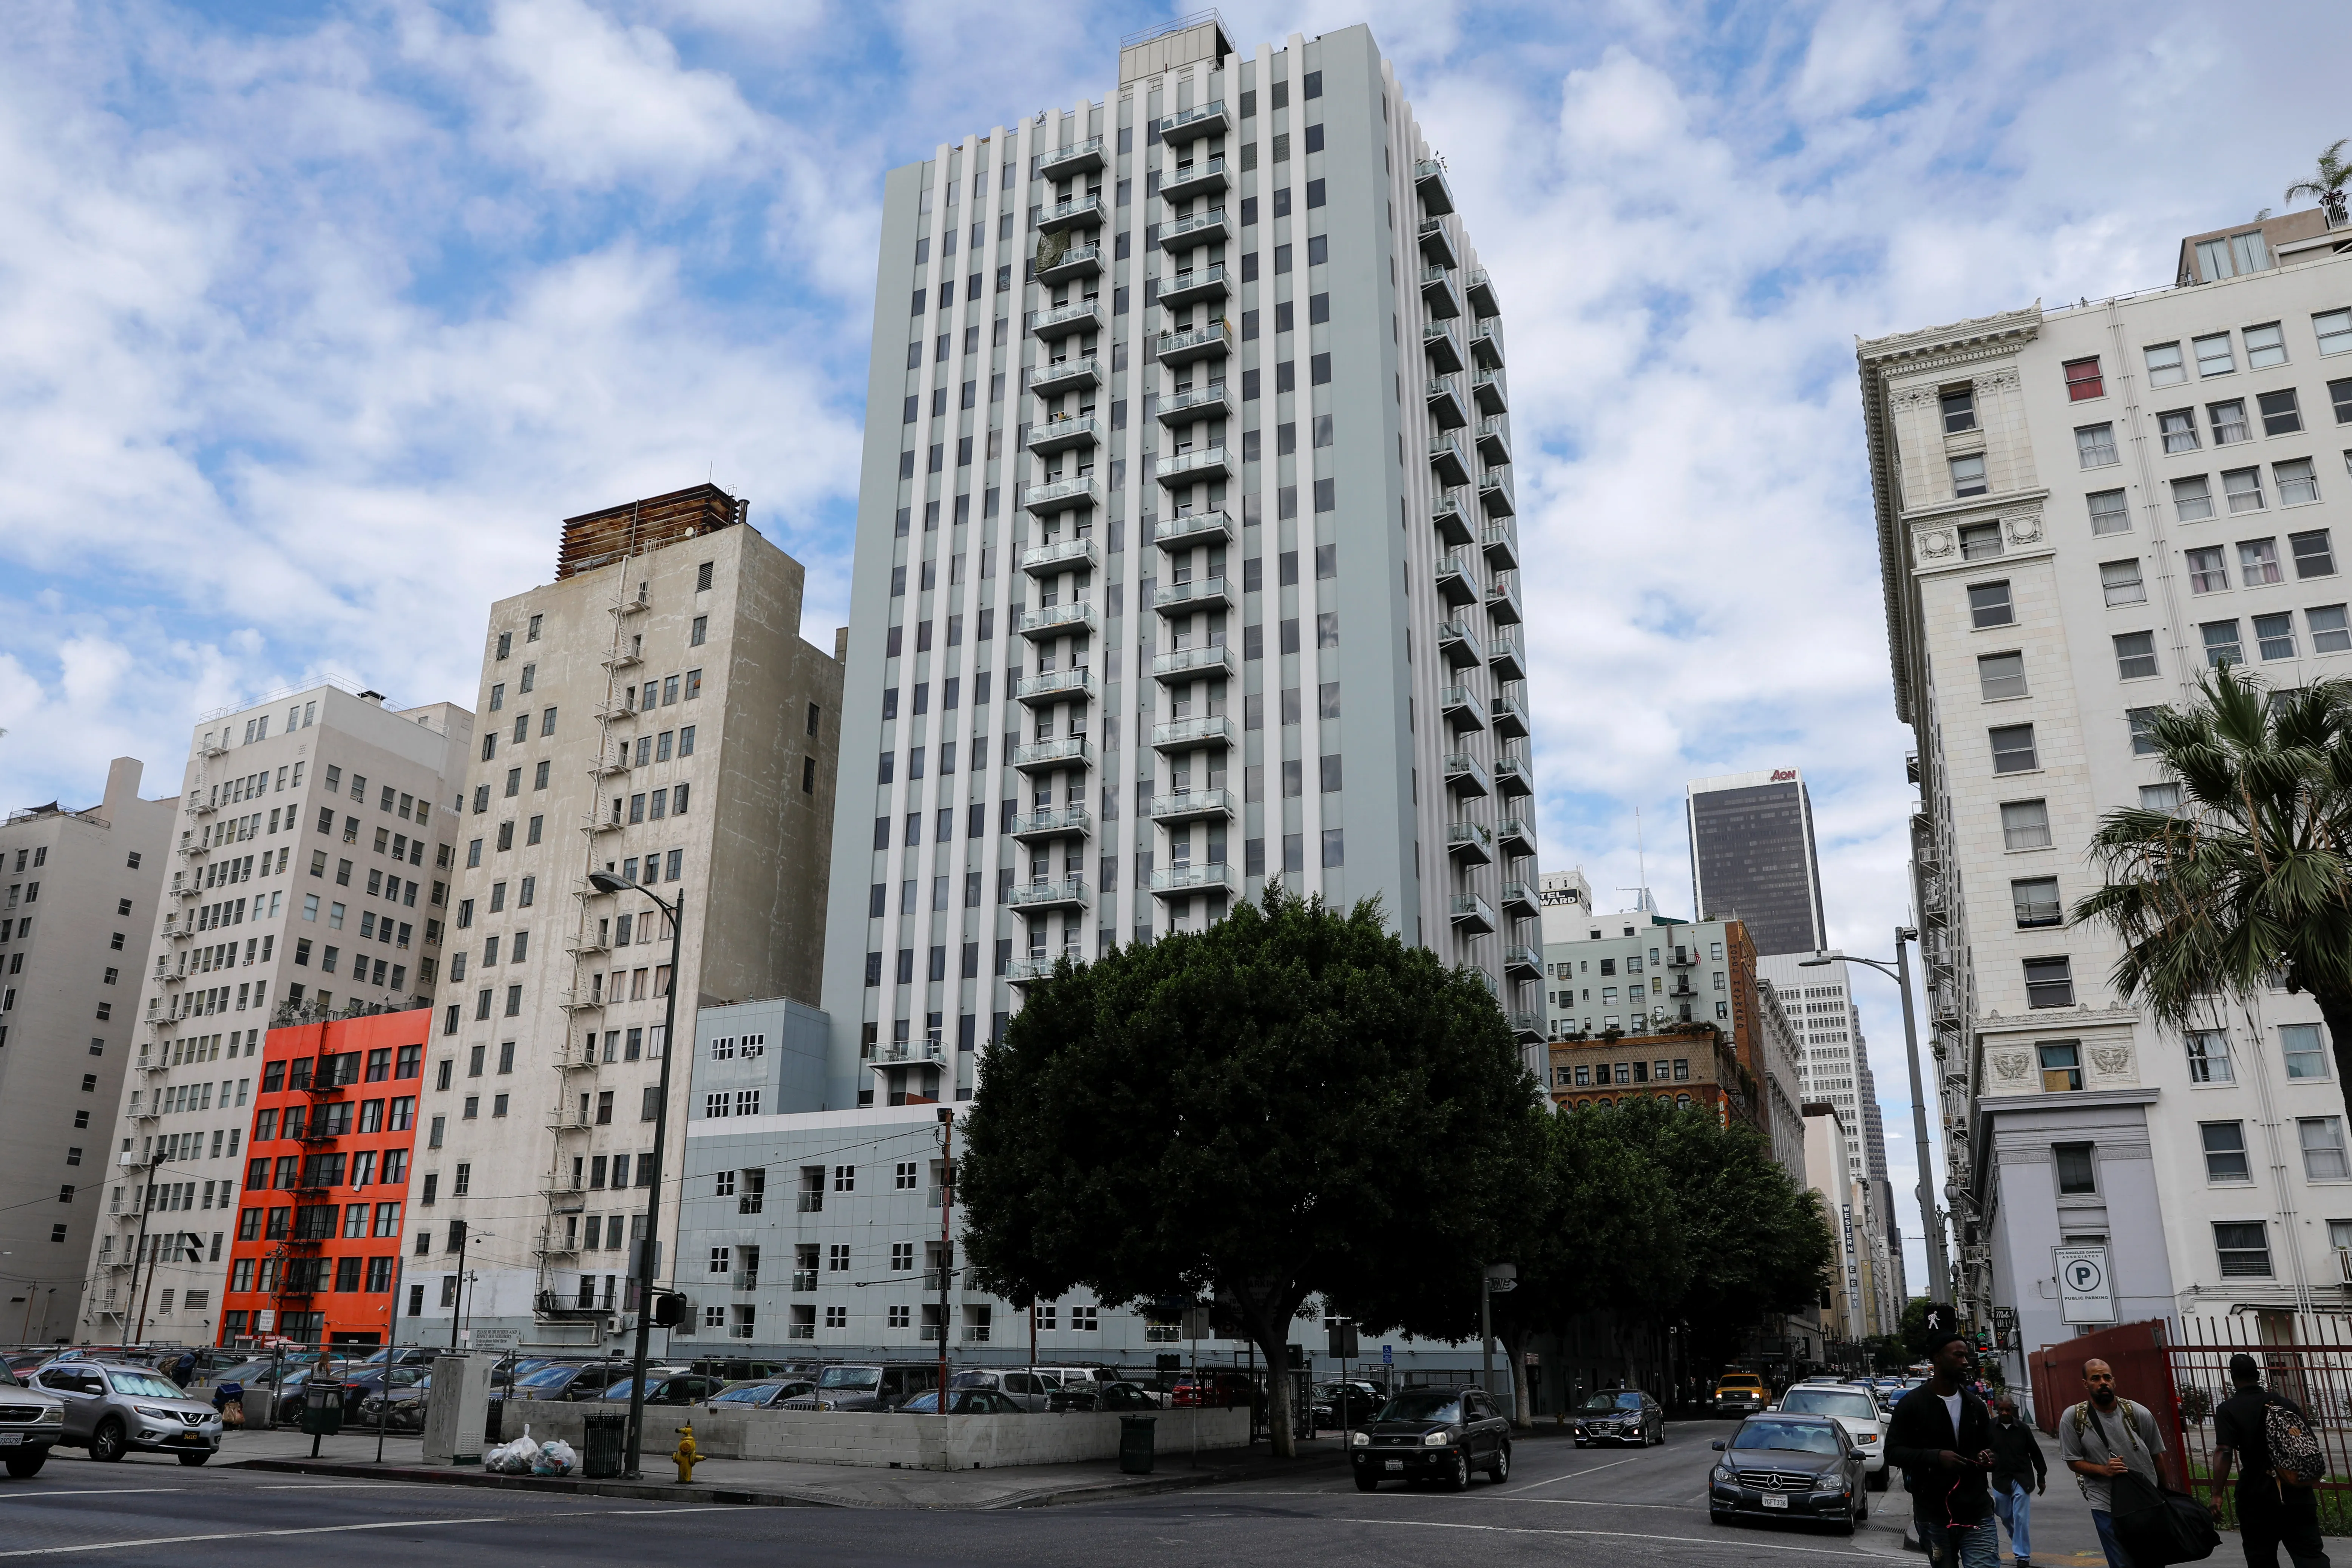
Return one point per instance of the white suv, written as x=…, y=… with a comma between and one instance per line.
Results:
x=1856, y=1410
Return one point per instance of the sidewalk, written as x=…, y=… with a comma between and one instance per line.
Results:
x=2062, y=1531
x=778, y=1484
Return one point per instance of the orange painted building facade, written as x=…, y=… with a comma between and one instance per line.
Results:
x=317, y=1255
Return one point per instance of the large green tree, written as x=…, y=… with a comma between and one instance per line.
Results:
x=2250, y=882
x=1292, y=1102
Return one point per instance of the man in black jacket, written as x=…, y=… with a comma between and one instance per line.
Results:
x=2018, y=1471
x=2270, y=1513
x=1941, y=1437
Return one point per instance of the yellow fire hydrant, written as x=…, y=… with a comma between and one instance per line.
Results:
x=685, y=1454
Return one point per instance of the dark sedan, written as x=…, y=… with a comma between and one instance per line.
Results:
x=1621, y=1415
x=1432, y=1435
x=569, y=1381
x=1784, y=1467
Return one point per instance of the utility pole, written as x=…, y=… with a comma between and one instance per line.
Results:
x=649, y=1247
x=1486, y=1332
x=458, y=1306
x=1940, y=1267
x=139, y=1248
x=947, y=1241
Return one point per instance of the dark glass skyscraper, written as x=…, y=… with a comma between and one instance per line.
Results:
x=1752, y=837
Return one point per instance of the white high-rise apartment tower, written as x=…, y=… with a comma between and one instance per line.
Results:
x=76, y=889
x=652, y=712
x=2081, y=511
x=1189, y=563
x=310, y=875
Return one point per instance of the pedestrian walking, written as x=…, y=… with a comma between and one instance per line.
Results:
x=1941, y=1438
x=2100, y=1439
x=2273, y=1508
x=2019, y=1473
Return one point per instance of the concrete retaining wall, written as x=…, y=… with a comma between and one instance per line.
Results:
x=886, y=1439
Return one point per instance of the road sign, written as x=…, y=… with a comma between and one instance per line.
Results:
x=1388, y=1355
x=2086, y=1292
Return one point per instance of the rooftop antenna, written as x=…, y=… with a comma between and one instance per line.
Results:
x=1642, y=903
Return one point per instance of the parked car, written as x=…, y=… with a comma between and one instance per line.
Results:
x=112, y=1409
x=672, y=1388
x=1121, y=1395
x=766, y=1396
x=1340, y=1405
x=868, y=1385
x=965, y=1401
x=1852, y=1407
x=359, y=1387
x=1621, y=1415
x=1432, y=1434
x=1225, y=1390
x=571, y=1380
x=1789, y=1466
x=1738, y=1394
x=32, y=1422
x=403, y=1411
x=739, y=1369
x=1027, y=1390
x=25, y=1363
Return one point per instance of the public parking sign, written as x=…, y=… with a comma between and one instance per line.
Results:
x=1388, y=1355
x=2085, y=1290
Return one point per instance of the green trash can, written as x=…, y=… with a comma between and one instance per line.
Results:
x=1135, y=1440
x=602, y=1444
x=322, y=1409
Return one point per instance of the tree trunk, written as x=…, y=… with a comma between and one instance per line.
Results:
x=1281, y=1437
x=1515, y=1346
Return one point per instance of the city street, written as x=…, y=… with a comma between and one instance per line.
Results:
x=1638, y=1505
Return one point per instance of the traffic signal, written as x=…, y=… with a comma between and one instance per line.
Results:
x=669, y=1309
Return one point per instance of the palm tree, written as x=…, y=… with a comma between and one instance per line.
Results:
x=2249, y=884
x=2327, y=188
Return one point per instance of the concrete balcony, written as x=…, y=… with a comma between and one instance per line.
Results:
x=1513, y=777
x=1181, y=881
x=1057, y=376
x=1501, y=543
x=1486, y=344
x=1446, y=409
x=1436, y=238
x=1510, y=718
x=1067, y=162
x=1202, y=465
x=1487, y=388
x=1470, y=843
x=1452, y=518
x=1188, y=665
x=1069, y=822
x=1191, y=734
x=1455, y=583
x=1443, y=345
x=1052, y=756
x=1056, y=620
x=1503, y=658
x=1077, y=212
x=1054, y=686
x=1481, y=289
x=1429, y=183
x=1494, y=493
x=1459, y=645
x=1521, y=962
x=1211, y=402
x=1472, y=913
x=1186, y=529
x=1503, y=603
x=1519, y=901
x=1056, y=322
x=1446, y=461
x=1210, y=282
x=1527, y=1028
x=1193, y=806
x=1494, y=442
x=1465, y=775
x=1201, y=177
x=1186, y=126
x=1515, y=837
x=1059, y=495
x=1200, y=228
x=1064, y=433
x=1201, y=593
x=1438, y=294
x=1038, y=965
x=1070, y=892
x=1074, y=261
x=1199, y=343
x=1061, y=556
x=1460, y=707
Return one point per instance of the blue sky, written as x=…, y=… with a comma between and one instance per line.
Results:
x=315, y=318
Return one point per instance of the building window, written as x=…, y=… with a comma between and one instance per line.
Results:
x=2275, y=635
x=2209, y=570
x=2330, y=633
x=2243, y=490
x=2305, y=1053
x=2209, y=1054
x=2280, y=414
x=2298, y=483
x=2258, y=562
x=2322, y=1138
x=2083, y=380
x=2228, y=422
x=2013, y=748
x=2179, y=428
x=1980, y=541
x=1959, y=408
x=1989, y=605
x=2025, y=825
x=1969, y=475
x=2213, y=355
x=2221, y=644
x=2120, y=581
x=2035, y=899
x=2061, y=1066
x=2334, y=329
x=2265, y=346
x=2225, y=1151
x=2143, y=730
x=2165, y=798
x=2192, y=499
x=2134, y=655
x=2095, y=445
x=2077, y=1174
x=2001, y=675
x=2165, y=366
x=2050, y=983
x=2243, y=1247
x=2108, y=513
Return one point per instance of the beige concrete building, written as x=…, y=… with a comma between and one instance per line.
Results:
x=309, y=872
x=652, y=712
x=2081, y=512
x=76, y=889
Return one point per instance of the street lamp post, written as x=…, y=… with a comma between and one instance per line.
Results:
x=1940, y=1267
x=139, y=1248
x=649, y=1248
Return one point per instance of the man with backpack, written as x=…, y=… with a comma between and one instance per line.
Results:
x=2105, y=1437
x=2270, y=1441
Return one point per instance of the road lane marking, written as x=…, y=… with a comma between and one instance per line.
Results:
x=345, y=1529
x=95, y=1492
x=1573, y=1474
x=1626, y=1535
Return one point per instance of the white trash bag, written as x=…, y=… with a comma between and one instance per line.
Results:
x=558, y=1459
x=514, y=1458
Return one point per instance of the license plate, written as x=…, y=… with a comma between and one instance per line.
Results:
x=1396, y=1464
x=1772, y=1500
x=11, y=1439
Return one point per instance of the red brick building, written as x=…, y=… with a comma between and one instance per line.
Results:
x=318, y=1233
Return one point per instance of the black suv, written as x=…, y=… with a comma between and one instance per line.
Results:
x=1432, y=1434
